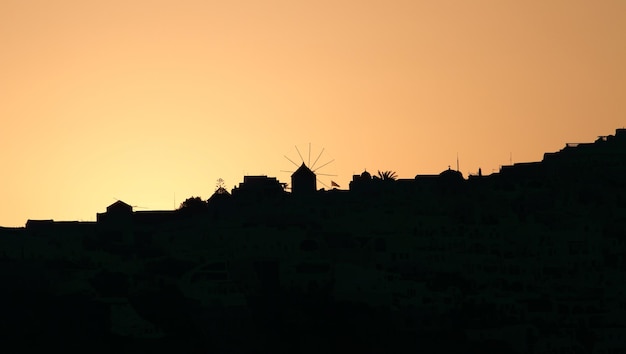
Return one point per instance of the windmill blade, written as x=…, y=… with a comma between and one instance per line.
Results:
x=324, y=184
x=299, y=154
x=291, y=161
x=286, y=171
x=324, y=165
x=318, y=157
x=325, y=174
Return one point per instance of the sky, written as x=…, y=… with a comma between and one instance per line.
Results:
x=151, y=101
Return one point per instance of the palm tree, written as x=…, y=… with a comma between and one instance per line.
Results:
x=387, y=175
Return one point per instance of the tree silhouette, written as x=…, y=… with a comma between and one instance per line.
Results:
x=387, y=175
x=192, y=204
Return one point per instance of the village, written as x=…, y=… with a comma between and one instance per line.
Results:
x=527, y=260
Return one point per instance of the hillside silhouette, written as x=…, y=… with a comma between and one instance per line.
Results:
x=527, y=260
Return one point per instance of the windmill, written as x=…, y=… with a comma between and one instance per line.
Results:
x=306, y=175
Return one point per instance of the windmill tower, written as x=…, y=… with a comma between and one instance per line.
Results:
x=303, y=181
x=304, y=178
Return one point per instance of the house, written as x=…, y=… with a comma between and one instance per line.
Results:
x=258, y=187
x=116, y=211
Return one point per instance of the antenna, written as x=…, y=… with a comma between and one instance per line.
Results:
x=457, y=162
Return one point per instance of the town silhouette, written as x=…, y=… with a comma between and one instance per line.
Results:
x=527, y=260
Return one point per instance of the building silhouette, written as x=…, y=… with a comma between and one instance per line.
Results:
x=258, y=188
x=528, y=260
x=303, y=181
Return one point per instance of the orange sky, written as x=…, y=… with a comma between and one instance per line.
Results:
x=152, y=101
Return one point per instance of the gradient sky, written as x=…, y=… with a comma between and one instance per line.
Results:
x=152, y=101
